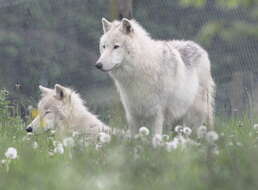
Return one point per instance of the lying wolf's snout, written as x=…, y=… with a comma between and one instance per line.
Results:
x=29, y=129
x=99, y=65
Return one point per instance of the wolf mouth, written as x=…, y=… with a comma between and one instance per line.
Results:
x=116, y=66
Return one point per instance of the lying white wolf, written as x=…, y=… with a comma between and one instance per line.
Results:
x=62, y=108
x=158, y=81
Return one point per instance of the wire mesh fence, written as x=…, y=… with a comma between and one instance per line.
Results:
x=56, y=41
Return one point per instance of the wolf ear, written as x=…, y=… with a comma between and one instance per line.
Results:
x=60, y=92
x=106, y=25
x=44, y=90
x=127, y=26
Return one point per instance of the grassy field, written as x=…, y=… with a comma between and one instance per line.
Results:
x=44, y=162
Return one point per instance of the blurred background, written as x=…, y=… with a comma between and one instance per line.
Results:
x=56, y=41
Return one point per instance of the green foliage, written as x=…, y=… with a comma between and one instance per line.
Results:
x=232, y=4
x=131, y=164
x=4, y=104
x=194, y=3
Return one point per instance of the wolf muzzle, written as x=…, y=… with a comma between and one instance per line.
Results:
x=29, y=129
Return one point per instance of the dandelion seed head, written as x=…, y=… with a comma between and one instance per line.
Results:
x=165, y=138
x=212, y=136
x=50, y=153
x=215, y=150
x=201, y=131
x=255, y=126
x=98, y=146
x=52, y=132
x=144, y=131
x=104, y=137
x=187, y=131
x=11, y=153
x=75, y=134
x=68, y=142
x=179, y=129
x=59, y=148
x=157, y=141
x=172, y=145
x=35, y=145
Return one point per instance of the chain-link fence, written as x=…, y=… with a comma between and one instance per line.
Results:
x=56, y=41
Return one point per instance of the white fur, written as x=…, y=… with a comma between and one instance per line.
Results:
x=159, y=82
x=62, y=108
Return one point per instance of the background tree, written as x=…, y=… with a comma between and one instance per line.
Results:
x=51, y=41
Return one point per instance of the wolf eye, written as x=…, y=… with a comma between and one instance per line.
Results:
x=103, y=46
x=116, y=46
x=47, y=112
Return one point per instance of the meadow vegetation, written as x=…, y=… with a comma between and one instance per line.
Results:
x=178, y=161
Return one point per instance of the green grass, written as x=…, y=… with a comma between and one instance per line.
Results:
x=130, y=164
x=126, y=164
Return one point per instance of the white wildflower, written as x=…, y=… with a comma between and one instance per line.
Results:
x=52, y=132
x=172, y=145
x=212, y=136
x=50, y=153
x=181, y=140
x=81, y=142
x=165, y=138
x=59, y=148
x=11, y=153
x=68, y=142
x=35, y=145
x=30, y=107
x=187, y=131
x=255, y=126
x=3, y=161
x=179, y=129
x=98, y=146
x=201, y=131
x=104, y=137
x=157, y=141
x=144, y=131
x=75, y=134
x=215, y=150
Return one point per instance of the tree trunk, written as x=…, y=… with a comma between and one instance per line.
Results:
x=242, y=98
x=120, y=9
x=236, y=96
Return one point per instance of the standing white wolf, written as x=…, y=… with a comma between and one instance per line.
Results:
x=62, y=108
x=159, y=82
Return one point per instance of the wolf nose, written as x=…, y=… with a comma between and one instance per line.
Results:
x=99, y=65
x=29, y=129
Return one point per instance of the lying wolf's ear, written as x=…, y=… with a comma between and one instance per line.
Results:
x=126, y=26
x=106, y=25
x=44, y=90
x=60, y=91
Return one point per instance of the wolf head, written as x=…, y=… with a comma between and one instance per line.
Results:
x=114, y=46
x=53, y=109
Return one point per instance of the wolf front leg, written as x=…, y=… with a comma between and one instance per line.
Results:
x=132, y=124
x=157, y=124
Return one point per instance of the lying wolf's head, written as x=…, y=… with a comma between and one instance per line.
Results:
x=53, y=109
x=114, y=46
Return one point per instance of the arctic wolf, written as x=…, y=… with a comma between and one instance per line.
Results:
x=62, y=108
x=159, y=82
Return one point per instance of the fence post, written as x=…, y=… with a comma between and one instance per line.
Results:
x=121, y=9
